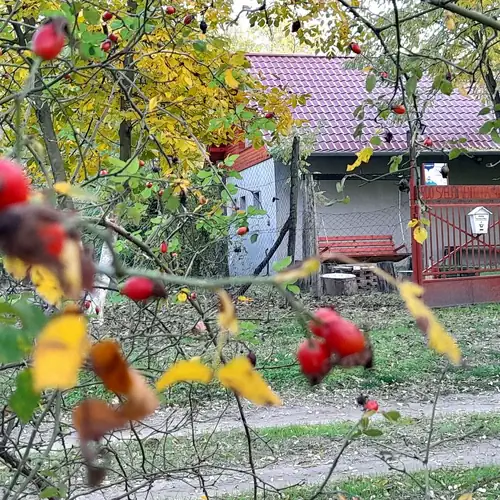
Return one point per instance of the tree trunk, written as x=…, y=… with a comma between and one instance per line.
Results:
x=294, y=194
x=309, y=233
x=383, y=285
x=125, y=133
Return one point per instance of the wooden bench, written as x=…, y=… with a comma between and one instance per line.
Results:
x=364, y=248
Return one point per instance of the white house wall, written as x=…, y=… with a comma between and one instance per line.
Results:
x=244, y=256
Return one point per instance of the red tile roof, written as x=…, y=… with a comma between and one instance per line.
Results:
x=336, y=92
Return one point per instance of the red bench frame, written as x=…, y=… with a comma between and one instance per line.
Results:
x=365, y=248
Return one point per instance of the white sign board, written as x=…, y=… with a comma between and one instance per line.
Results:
x=479, y=219
x=433, y=176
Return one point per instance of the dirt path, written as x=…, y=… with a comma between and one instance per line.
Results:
x=175, y=422
x=357, y=461
x=360, y=459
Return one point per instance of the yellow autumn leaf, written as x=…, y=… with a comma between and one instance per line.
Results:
x=230, y=79
x=240, y=376
x=465, y=496
x=420, y=234
x=153, y=103
x=439, y=340
x=67, y=189
x=182, y=297
x=449, y=20
x=71, y=262
x=60, y=351
x=242, y=298
x=47, y=285
x=308, y=267
x=15, y=267
x=413, y=223
x=185, y=371
x=363, y=156
x=227, y=314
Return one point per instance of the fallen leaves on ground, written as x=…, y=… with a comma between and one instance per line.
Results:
x=438, y=338
x=240, y=376
x=60, y=350
x=185, y=371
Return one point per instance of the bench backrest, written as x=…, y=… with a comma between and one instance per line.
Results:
x=358, y=245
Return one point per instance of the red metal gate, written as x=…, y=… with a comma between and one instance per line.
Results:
x=455, y=266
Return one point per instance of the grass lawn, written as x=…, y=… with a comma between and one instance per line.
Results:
x=404, y=366
x=401, y=354
x=447, y=484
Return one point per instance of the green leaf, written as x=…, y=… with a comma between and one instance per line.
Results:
x=484, y=111
x=411, y=86
x=203, y=174
x=246, y=115
x=229, y=161
x=91, y=15
x=253, y=211
x=253, y=237
x=173, y=202
x=371, y=82
x=293, y=289
x=235, y=174
x=392, y=416
x=495, y=136
x=52, y=491
x=376, y=140
x=282, y=264
x=454, y=153
x=358, y=131
x=487, y=127
x=24, y=400
x=93, y=38
x=14, y=344
x=394, y=163
x=200, y=46
x=232, y=189
x=373, y=432
x=446, y=87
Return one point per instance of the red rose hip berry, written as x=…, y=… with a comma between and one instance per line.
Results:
x=52, y=236
x=314, y=360
x=107, y=16
x=399, y=109
x=324, y=317
x=163, y=247
x=371, y=405
x=49, y=39
x=14, y=185
x=341, y=336
x=170, y=10
x=141, y=288
x=355, y=47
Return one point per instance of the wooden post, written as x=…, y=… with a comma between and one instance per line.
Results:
x=294, y=194
x=309, y=233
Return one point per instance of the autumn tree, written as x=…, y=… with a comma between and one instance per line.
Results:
x=111, y=107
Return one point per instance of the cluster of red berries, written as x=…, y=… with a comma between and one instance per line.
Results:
x=15, y=189
x=335, y=337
